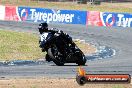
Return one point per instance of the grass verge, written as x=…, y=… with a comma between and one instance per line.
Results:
x=18, y=45
x=24, y=46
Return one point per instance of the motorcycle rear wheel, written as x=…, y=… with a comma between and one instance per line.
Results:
x=56, y=58
x=58, y=61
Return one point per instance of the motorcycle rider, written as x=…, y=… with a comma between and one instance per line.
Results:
x=43, y=28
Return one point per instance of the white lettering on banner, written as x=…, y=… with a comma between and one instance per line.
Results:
x=120, y=18
x=125, y=22
x=44, y=16
x=55, y=17
x=32, y=10
x=37, y=16
x=49, y=17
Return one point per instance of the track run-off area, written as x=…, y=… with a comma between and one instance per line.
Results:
x=114, y=56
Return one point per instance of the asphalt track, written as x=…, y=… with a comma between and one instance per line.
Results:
x=117, y=38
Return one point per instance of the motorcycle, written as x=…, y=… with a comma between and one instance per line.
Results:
x=61, y=49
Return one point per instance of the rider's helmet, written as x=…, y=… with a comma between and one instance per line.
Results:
x=43, y=27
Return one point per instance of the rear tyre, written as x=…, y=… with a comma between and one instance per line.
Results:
x=58, y=61
x=56, y=57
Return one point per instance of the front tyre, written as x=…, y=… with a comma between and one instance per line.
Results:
x=81, y=61
x=81, y=58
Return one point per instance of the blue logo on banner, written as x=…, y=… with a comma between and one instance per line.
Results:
x=116, y=19
x=24, y=14
x=50, y=15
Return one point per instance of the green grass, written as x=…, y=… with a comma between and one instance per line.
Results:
x=19, y=46
x=25, y=46
x=104, y=7
x=118, y=86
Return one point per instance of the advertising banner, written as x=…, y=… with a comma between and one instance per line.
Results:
x=109, y=19
x=2, y=12
x=11, y=13
x=52, y=15
x=116, y=19
x=93, y=18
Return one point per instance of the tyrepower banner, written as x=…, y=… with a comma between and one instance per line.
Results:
x=11, y=13
x=116, y=19
x=2, y=12
x=109, y=19
x=52, y=15
x=96, y=18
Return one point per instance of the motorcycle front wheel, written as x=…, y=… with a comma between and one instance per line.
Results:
x=81, y=58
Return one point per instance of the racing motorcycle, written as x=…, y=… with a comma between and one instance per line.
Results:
x=61, y=49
